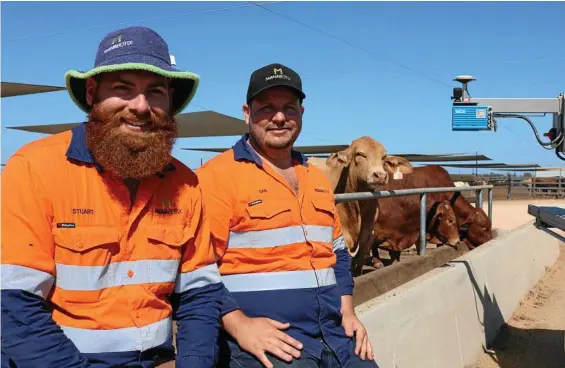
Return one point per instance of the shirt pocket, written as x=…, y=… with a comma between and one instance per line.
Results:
x=83, y=262
x=166, y=245
x=266, y=226
x=323, y=211
x=267, y=211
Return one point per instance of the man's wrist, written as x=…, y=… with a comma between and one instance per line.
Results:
x=232, y=322
x=347, y=304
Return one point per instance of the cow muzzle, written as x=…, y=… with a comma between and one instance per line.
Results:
x=377, y=178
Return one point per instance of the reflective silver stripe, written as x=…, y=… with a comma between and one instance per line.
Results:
x=339, y=244
x=121, y=339
x=198, y=278
x=16, y=277
x=84, y=278
x=279, y=280
x=282, y=236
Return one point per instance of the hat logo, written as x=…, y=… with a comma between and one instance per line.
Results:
x=117, y=43
x=277, y=74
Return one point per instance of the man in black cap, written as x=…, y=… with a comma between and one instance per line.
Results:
x=278, y=242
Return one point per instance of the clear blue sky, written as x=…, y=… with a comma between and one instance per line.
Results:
x=513, y=49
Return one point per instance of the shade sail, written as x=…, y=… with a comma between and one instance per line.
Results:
x=324, y=151
x=492, y=166
x=533, y=169
x=191, y=124
x=9, y=89
x=445, y=158
x=307, y=150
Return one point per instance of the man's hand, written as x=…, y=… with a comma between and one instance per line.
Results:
x=353, y=325
x=260, y=335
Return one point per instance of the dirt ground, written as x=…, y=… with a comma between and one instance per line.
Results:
x=535, y=335
x=508, y=215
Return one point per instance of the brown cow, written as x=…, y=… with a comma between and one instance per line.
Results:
x=398, y=226
x=362, y=167
x=475, y=227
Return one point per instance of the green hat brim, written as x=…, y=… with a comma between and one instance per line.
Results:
x=185, y=84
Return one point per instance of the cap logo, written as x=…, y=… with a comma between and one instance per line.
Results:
x=117, y=43
x=277, y=74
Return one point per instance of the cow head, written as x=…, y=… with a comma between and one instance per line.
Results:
x=368, y=164
x=443, y=225
x=476, y=229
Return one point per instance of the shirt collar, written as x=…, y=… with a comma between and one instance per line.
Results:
x=243, y=151
x=78, y=150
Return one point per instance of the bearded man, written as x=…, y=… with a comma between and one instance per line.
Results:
x=105, y=238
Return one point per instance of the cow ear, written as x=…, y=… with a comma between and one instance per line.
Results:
x=396, y=163
x=445, y=205
x=468, y=222
x=438, y=214
x=465, y=226
x=340, y=158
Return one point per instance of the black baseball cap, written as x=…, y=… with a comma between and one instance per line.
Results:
x=274, y=75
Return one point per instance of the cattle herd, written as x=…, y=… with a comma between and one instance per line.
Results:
x=393, y=223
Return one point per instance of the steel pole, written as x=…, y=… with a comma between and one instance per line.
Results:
x=423, y=242
x=490, y=204
x=479, y=199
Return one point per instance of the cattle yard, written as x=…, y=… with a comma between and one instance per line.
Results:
x=506, y=216
x=520, y=188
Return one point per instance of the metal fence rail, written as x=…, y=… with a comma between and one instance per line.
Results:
x=532, y=186
x=344, y=197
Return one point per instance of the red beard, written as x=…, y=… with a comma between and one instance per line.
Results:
x=130, y=155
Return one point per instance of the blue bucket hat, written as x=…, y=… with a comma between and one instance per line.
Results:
x=134, y=48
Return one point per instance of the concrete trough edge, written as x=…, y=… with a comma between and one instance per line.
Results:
x=448, y=316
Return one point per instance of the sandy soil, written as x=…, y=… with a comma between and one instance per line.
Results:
x=535, y=335
x=508, y=215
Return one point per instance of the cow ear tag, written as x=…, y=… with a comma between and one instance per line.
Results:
x=397, y=175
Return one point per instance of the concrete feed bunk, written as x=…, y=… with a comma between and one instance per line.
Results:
x=445, y=317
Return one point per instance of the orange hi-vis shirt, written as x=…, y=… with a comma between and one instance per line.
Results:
x=105, y=267
x=281, y=254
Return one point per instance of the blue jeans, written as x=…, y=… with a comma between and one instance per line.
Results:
x=242, y=359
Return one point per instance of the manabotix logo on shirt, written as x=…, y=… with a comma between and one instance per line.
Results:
x=167, y=208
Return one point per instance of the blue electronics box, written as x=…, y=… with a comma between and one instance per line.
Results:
x=470, y=118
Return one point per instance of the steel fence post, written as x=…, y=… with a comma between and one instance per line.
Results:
x=422, y=251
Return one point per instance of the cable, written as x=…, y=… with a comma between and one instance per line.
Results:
x=351, y=44
x=500, y=62
x=135, y=21
x=546, y=145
